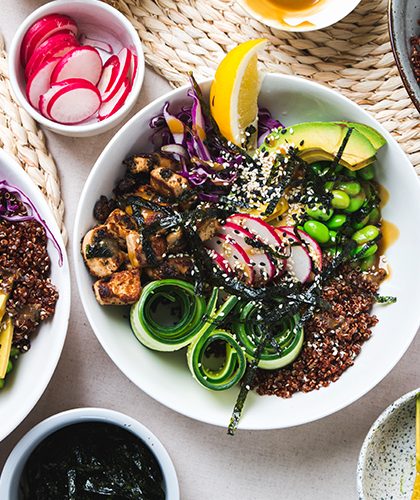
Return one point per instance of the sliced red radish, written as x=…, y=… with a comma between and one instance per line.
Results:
x=110, y=72
x=220, y=260
x=234, y=254
x=110, y=107
x=299, y=263
x=124, y=57
x=45, y=98
x=81, y=62
x=263, y=231
x=133, y=68
x=97, y=44
x=263, y=267
x=74, y=103
x=55, y=46
x=43, y=29
x=311, y=245
x=40, y=81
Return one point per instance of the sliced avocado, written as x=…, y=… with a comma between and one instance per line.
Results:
x=6, y=336
x=373, y=135
x=319, y=141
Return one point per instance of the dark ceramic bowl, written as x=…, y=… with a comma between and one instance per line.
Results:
x=403, y=17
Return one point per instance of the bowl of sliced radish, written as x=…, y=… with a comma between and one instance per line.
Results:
x=76, y=67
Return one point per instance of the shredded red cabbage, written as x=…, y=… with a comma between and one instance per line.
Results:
x=33, y=214
x=266, y=124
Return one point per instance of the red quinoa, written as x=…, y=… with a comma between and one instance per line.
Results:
x=24, y=270
x=332, y=338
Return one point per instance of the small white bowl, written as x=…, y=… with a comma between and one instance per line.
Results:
x=320, y=16
x=387, y=460
x=9, y=481
x=96, y=20
x=32, y=372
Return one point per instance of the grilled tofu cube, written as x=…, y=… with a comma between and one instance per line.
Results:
x=208, y=228
x=119, y=224
x=138, y=255
x=101, y=252
x=120, y=288
x=167, y=183
x=180, y=268
x=146, y=162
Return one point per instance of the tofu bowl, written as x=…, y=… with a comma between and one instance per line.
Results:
x=114, y=428
x=76, y=67
x=165, y=376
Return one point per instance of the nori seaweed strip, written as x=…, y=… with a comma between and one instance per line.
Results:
x=365, y=247
x=263, y=246
x=384, y=299
x=138, y=201
x=340, y=152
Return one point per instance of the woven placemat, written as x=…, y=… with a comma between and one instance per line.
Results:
x=21, y=138
x=353, y=56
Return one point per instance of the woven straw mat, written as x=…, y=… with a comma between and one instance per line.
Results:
x=21, y=138
x=353, y=56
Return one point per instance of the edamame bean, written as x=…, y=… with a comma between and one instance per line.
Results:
x=333, y=237
x=348, y=172
x=367, y=263
x=351, y=188
x=333, y=251
x=336, y=221
x=317, y=230
x=320, y=167
x=367, y=173
x=340, y=199
x=9, y=366
x=374, y=215
x=356, y=202
x=368, y=233
x=329, y=186
x=370, y=251
x=319, y=212
x=359, y=225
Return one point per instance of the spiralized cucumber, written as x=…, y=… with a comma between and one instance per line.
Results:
x=163, y=337
x=289, y=338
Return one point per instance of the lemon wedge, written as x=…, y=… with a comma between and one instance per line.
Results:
x=234, y=93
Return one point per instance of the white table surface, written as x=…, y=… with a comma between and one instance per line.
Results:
x=314, y=461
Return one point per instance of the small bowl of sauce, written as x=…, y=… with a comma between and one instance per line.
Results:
x=298, y=15
x=90, y=453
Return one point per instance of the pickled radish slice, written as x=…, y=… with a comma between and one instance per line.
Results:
x=110, y=107
x=43, y=29
x=81, y=62
x=45, y=98
x=55, y=46
x=97, y=44
x=110, y=72
x=124, y=57
x=299, y=263
x=40, y=81
x=77, y=101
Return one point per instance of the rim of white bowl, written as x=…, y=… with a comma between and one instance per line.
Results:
x=361, y=463
x=107, y=123
x=20, y=453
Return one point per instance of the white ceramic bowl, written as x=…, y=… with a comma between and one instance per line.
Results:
x=320, y=16
x=9, y=481
x=31, y=374
x=165, y=376
x=96, y=20
x=387, y=460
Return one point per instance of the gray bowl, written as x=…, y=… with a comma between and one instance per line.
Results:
x=387, y=460
x=403, y=17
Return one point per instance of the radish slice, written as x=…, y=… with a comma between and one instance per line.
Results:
x=97, y=44
x=262, y=266
x=220, y=260
x=45, y=98
x=55, y=46
x=299, y=263
x=110, y=107
x=74, y=103
x=109, y=74
x=81, y=62
x=40, y=82
x=43, y=29
x=234, y=254
x=263, y=231
x=124, y=57
x=133, y=68
x=312, y=246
